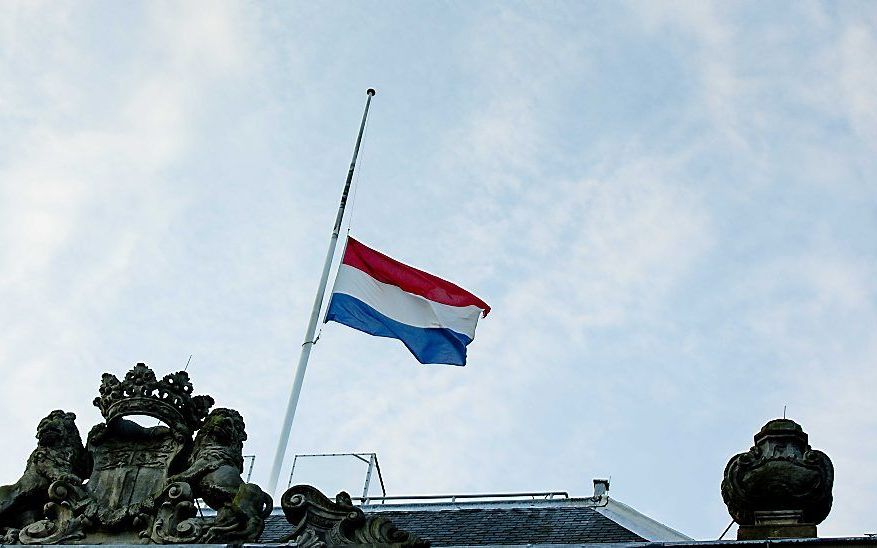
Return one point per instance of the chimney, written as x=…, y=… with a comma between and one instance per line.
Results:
x=601, y=487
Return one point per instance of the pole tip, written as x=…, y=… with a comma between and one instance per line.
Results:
x=370, y=92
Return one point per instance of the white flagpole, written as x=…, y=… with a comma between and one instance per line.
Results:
x=315, y=315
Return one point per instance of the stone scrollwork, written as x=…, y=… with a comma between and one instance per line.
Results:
x=309, y=539
x=318, y=521
x=63, y=522
x=176, y=521
x=370, y=530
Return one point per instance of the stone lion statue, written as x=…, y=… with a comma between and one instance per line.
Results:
x=59, y=456
x=214, y=473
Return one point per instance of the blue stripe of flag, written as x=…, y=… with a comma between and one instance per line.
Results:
x=428, y=344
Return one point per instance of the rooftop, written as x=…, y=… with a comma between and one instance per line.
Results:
x=566, y=521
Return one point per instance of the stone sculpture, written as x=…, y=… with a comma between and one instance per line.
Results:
x=318, y=522
x=215, y=469
x=59, y=457
x=132, y=484
x=143, y=482
x=780, y=487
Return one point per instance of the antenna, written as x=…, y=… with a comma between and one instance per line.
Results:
x=784, y=411
x=198, y=501
x=252, y=459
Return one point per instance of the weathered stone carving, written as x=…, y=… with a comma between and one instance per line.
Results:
x=318, y=522
x=215, y=471
x=131, y=468
x=176, y=521
x=778, y=484
x=142, y=481
x=65, y=521
x=59, y=457
x=169, y=400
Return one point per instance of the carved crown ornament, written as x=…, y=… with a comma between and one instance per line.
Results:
x=169, y=400
x=131, y=484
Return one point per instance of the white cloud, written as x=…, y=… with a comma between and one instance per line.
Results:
x=723, y=92
x=75, y=168
x=858, y=77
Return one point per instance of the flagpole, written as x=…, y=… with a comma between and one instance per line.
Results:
x=315, y=315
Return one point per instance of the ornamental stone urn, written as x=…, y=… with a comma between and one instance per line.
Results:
x=780, y=488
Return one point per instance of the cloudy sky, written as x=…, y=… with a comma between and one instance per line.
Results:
x=669, y=206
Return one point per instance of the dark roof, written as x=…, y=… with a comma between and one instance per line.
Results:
x=276, y=528
x=563, y=525
x=568, y=524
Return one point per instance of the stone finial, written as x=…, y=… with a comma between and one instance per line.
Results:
x=780, y=488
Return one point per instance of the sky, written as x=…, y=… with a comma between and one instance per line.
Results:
x=670, y=207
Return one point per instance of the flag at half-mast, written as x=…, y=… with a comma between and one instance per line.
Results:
x=376, y=294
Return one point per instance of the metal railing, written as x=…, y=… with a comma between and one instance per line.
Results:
x=369, y=458
x=540, y=495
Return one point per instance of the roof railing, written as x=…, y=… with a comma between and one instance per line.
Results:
x=371, y=461
x=541, y=495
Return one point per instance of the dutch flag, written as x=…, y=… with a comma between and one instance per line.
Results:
x=376, y=294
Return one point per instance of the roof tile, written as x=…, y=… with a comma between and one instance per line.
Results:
x=559, y=525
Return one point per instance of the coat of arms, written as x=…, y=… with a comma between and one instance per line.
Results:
x=132, y=483
x=135, y=484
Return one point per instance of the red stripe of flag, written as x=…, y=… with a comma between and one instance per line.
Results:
x=390, y=271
